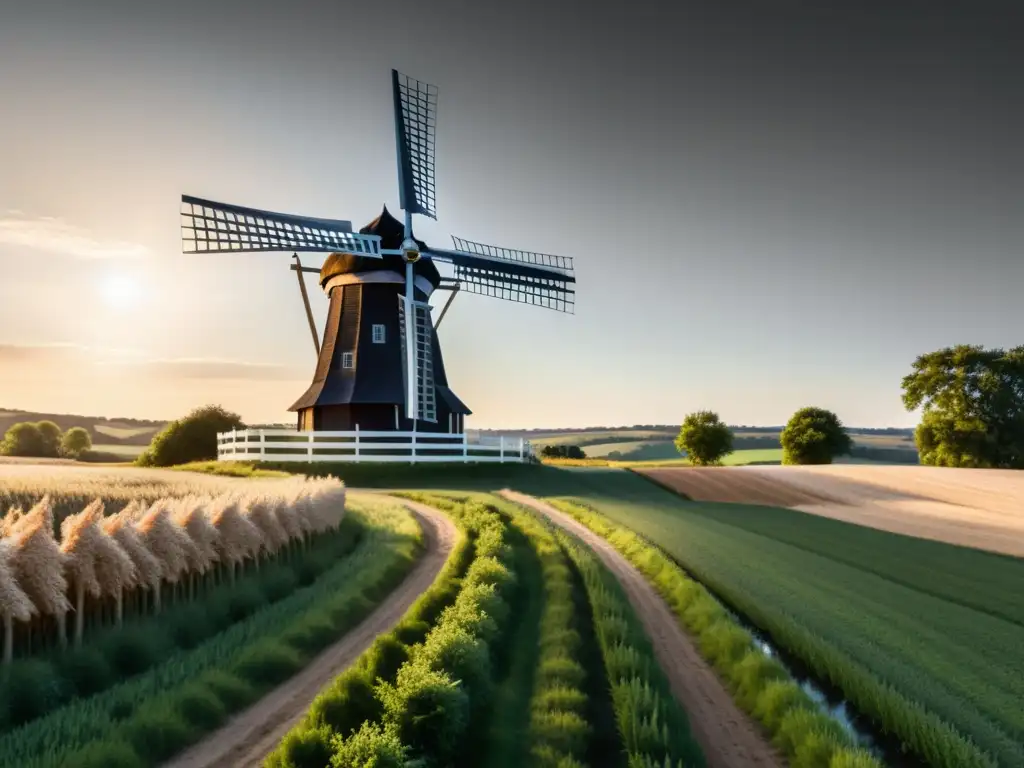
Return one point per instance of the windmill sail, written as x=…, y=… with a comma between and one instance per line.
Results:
x=211, y=227
x=524, y=277
x=415, y=126
x=424, y=406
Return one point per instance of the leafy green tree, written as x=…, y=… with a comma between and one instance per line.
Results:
x=23, y=439
x=193, y=438
x=704, y=438
x=51, y=437
x=973, y=406
x=75, y=442
x=562, y=452
x=814, y=436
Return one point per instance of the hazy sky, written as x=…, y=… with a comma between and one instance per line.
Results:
x=767, y=208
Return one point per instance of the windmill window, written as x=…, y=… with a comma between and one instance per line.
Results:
x=379, y=336
x=348, y=360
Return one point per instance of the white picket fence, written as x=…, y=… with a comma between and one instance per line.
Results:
x=359, y=446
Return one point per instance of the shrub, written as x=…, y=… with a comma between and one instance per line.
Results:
x=704, y=438
x=75, y=442
x=192, y=438
x=814, y=436
x=23, y=439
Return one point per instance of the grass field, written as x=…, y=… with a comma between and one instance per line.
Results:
x=658, y=445
x=119, y=449
x=942, y=625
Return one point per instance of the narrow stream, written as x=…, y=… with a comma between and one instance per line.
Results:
x=829, y=699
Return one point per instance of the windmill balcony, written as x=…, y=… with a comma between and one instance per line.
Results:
x=286, y=445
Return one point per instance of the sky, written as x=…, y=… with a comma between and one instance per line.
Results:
x=767, y=208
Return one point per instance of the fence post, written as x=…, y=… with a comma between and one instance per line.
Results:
x=357, y=442
x=263, y=447
x=309, y=448
x=413, y=444
x=465, y=447
x=234, y=441
x=501, y=449
x=522, y=449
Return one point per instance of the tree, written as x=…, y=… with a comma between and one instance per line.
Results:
x=562, y=452
x=23, y=439
x=75, y=442
x=814, y=436
x=973, y=406
x=193, y=438
x=704, y=438
x=51, y=437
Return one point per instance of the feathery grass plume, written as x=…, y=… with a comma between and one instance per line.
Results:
x=38, y=564
x=262, y=511
x=97, y=563
x=288, y=519
x=167, y=541
x=327, y=500
x=14, y=603
x=239, y=538
x=148, y=569
x=8, y=521
x=300, y=507
x=190, y=514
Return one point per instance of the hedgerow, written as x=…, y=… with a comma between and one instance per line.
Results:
x=350, y=709
x=760, y=685
x=147, y=719
x=654, y=728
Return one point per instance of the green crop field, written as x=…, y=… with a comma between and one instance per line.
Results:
x=941, y=625
x=120, y=449
x=122, y=433
x=633, y=445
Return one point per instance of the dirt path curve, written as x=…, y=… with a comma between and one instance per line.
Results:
x=246, y=739
x=727, y=736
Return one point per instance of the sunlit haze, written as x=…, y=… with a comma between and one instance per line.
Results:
x=760, y=218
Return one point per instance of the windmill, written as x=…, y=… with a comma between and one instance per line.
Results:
x=379, y=281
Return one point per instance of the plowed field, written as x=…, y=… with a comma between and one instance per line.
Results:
x=976, y=508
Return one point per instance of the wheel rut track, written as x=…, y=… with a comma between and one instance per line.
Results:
x=248, y=737
x=728, y=737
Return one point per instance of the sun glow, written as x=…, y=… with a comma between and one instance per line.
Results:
x=120, y=291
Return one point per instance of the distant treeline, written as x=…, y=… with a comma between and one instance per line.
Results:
x=673, y=429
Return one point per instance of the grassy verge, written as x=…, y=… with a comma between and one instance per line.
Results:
x=654, y=728
x=760, y=685
x=921, y=637
x=34, y=686
x=156, y=714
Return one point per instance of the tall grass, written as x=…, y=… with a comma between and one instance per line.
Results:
x=145, y=551
x=760, y=684
x=653, y=727
x=147, y=719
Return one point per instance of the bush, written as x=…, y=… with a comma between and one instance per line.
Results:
x=704, y=438
x=563, y=452
x=75, y=442
x=814, y=436
x=23, y=439
x=193, y=438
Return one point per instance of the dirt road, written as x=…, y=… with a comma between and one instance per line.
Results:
x=728, y=737
x=246, y=739
x=980, y=508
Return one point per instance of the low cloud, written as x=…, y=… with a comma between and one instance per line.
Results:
x=77, y=358
x=57, y=236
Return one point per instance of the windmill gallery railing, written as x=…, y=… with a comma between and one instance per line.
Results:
x=281, y=445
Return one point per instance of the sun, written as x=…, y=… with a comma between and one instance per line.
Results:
x=120, y=291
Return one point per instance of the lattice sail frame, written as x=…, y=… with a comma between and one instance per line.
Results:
x=212, y=227
x=550, y=293
x=426, y=395
x=416, y=136
x=561, y=264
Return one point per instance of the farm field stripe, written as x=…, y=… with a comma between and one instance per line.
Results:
x=248, y=738
x=727, y=736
